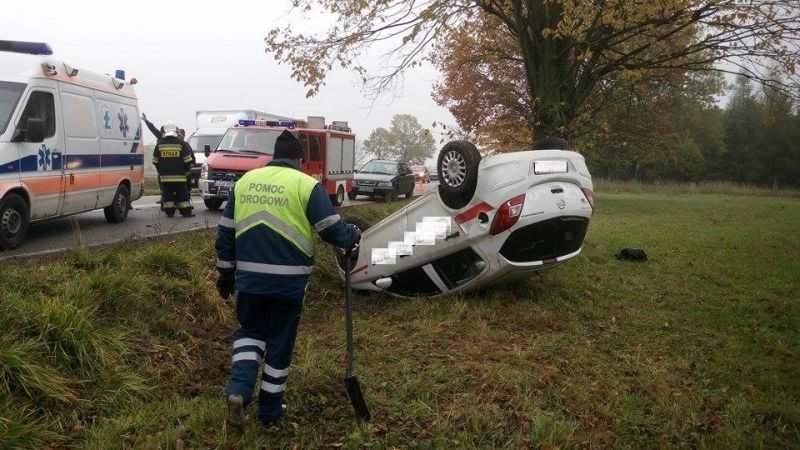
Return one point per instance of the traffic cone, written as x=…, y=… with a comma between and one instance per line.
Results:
x=420, y=187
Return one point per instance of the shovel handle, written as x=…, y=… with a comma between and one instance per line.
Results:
x=348, y=317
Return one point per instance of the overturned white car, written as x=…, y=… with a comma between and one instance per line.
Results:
x=491, y=219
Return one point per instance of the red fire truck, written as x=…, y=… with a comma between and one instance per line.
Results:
x=330, y=152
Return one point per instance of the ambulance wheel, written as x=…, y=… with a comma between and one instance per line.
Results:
x=363, y=226
x=14, y=221
x=117, y=212
x=338, y=198
x=352, y=194
x=213, y=203
x=458, y=172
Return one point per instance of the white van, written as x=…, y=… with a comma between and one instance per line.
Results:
x=70, y=141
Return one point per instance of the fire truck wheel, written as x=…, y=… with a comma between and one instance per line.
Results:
x=213, y=203
x=338, y=199
x=117, y=212
x=363, y=226
x=14, y=221
x=458, y=172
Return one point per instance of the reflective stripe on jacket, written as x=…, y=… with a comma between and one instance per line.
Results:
x=266, y=232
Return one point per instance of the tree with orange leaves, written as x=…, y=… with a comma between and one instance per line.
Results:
x=570, y=52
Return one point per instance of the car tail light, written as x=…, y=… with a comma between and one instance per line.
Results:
x=589, y=196
x=507, y=215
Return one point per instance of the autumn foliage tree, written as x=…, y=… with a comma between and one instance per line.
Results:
x=568, y=53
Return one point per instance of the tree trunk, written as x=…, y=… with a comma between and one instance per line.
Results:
x=542, y=68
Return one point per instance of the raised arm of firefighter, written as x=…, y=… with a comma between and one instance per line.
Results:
x=153, y=129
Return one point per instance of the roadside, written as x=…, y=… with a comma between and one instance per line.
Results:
x=691, y=349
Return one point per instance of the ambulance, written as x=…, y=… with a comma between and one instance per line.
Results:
x=329, y=155
x=70, y=141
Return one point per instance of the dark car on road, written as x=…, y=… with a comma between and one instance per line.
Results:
x=383, y=178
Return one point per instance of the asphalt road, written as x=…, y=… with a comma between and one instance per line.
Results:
x=91, y=228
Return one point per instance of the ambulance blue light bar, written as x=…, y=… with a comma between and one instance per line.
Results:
x=267, y=123
x=33, y=48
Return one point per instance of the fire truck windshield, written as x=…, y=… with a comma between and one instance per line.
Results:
x=244, y=140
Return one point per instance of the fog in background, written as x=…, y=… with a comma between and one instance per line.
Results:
x=191, y=56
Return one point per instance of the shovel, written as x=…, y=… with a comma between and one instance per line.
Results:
x=350, y=380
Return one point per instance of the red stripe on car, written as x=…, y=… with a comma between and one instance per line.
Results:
x=473, y=212
x=364, y=267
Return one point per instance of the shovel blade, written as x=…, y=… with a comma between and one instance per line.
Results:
x=357, y=398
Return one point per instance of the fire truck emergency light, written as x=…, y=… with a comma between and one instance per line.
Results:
x=267, y=123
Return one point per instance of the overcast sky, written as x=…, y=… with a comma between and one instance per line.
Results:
x=209, y=55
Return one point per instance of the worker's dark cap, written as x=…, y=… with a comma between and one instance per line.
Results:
x=287, y=146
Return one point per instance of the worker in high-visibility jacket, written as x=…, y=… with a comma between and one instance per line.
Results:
x=265, y=252
x=173, y=158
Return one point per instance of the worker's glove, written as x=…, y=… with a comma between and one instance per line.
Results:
x=226, y=283
x=354, y=246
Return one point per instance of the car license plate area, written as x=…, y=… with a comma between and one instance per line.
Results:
x=366, y=188
x=224, y=187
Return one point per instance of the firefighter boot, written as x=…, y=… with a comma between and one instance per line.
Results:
x=234, y=414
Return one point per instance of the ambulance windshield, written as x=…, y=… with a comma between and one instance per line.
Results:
x=244, y=140
x=9, y=96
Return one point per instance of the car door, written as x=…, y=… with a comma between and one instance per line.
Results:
x=41, y=163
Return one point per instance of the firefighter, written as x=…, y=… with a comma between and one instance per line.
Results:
x=265, y=253
x=172, y=158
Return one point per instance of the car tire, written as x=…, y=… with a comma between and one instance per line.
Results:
x=14, y=221
x=338, y=198
x=117, y=212
x=352, y=194
x=458, y=172
x=213, y=203
x=390, y=196
x=363, y=226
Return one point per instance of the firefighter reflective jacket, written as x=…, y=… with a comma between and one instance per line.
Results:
x=172, y=158
x=266, y=232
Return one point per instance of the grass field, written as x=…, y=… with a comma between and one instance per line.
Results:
x=698, y=347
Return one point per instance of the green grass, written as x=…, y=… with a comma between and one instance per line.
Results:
x=698, y=347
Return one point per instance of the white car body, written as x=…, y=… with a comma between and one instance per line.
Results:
x=557, y=207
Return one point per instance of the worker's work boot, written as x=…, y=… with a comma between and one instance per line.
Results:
x=234, y=414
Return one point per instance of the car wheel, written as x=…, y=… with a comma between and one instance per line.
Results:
x=14, y=221
x=458, y=172
x=363, y=226
x=213, y=203
x=117, y=212
x=390, y=196
x=352, y=194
